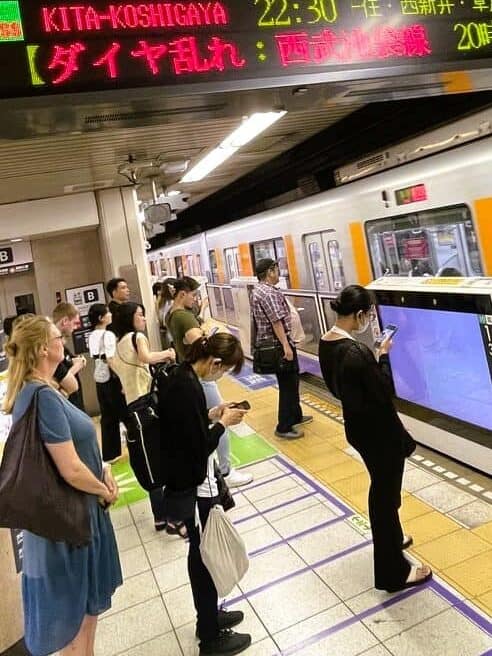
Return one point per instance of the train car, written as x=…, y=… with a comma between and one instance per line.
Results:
x=424, y=217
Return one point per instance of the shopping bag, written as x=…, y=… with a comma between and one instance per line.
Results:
x=223, y=552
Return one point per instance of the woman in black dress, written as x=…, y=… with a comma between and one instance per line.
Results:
x=362, y=381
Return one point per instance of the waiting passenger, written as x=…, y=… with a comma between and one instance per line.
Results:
x=64, y=588
x=131, y=363
x=163, y=305
x=189, y=474
x=363, y=384
x=102, y=346
x=119, y=293
x=66, y=318
x=185, y=329
x=272, y=318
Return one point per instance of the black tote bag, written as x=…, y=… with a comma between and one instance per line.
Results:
x=33, y=494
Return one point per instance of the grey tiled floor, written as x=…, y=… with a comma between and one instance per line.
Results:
x=307, y=594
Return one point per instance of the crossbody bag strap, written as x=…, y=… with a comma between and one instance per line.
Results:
x=271, y=323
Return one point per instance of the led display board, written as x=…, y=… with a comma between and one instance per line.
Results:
x=59, y=47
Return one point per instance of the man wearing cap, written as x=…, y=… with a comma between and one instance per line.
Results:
x=272, y=319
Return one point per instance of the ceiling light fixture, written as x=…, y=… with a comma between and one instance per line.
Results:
x=14, y=241
x=250, y=128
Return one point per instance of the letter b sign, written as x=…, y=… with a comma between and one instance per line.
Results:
x=91, y=296
x=6, y=256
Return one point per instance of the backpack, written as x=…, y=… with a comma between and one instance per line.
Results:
x=144, y=429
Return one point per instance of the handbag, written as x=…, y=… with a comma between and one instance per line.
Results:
x=268, y=354
x=33, y=494
x=223, y=552
x=102, y=372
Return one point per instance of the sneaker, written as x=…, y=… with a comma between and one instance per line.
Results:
x=306, y=419
x=236, y=478
x=227, y=619
x=293, y=434
x=227, y=643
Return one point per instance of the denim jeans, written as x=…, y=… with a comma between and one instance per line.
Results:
x=213, y=398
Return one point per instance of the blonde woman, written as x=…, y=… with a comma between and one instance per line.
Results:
x=64, y=588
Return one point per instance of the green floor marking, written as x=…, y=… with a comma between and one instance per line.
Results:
x=244, y=451
x=253, y=448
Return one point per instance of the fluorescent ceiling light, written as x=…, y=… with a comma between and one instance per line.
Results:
x=246, y=132
x=16, y=240
x=173, y=192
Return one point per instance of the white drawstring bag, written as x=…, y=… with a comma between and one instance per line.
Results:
x=223, y=552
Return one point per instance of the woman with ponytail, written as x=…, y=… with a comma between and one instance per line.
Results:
x=192, y=434
x=362, y=381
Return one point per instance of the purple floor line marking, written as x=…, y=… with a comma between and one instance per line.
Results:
x=295, y=536
x=277, y=507
x=247, y=488
x=336, y=502
x=298, y=572
x=348, y=622
x=461, y=606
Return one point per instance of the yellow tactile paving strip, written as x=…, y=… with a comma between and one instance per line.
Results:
x=461, y=556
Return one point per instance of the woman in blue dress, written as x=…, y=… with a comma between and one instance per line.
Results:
x=64, y=588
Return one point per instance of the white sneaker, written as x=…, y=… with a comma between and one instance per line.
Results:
x=236, y=478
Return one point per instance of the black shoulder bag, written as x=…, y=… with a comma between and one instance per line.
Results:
x=144, y=430
x=33, y=494
x=268, y=354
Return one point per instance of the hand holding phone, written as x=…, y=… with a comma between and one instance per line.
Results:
x=386, y=334
x=240, y=405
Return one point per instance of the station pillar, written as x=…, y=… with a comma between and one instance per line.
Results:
x=123, y=248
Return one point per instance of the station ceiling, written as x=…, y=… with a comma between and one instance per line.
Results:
x=77, y=143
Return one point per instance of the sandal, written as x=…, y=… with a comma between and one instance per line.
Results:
x=177, y=528
x=419, y=574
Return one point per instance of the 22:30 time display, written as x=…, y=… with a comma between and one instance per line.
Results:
x=277, y=13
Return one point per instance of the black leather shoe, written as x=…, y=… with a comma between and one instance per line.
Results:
x=227, y=643
x=227, y=619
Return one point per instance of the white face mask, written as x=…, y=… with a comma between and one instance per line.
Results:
x=216, y=372
x=362, y=326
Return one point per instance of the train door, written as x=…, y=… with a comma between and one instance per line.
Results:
x=325, y=260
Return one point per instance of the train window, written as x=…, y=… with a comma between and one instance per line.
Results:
x=275, y=250
x=232, y=262
x=431, y=242
x=318, y=266
x=214, y=271
x=336, y=264
x=198, y=261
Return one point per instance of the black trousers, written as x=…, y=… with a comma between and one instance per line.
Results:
x=391, y=568
x=204, y=593
x=289, y=407
x=113, y=410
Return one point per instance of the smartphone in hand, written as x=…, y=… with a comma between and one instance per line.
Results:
x=241, y=405
x=387, y=333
